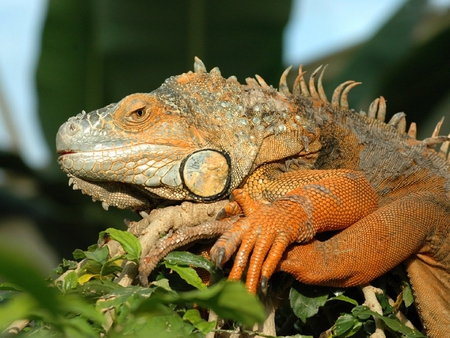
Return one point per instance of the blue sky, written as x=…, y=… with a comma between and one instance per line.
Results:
x=316, y=28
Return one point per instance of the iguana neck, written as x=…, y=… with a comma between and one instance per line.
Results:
x=340, y=146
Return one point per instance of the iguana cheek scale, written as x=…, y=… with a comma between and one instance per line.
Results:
x=295, y=163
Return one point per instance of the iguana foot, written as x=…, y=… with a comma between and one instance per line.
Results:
x=261, y=237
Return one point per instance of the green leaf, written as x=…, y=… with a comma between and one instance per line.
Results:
x=100, y=255
x=230, y=300
x=121, y=296
x=66, y=265
x=129, y=242
x=94, y=289
x=21, y=269
x=78, y=254
x=16, y=308
x=344, y=299
x=162, y=283
x=408, y=297
x=9, y=287
x=166, y=323
x=188, y=274
x=393, y=323
x=69, y=282
x=73, y=304
x=306, y=300
x=112, y=266
x=361, y=312
x=91, y=267
x=346, y=326
x=193, y=316
x=188, y=258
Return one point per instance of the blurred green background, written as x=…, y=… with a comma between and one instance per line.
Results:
x=96, y=52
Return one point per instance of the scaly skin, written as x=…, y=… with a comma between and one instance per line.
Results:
x=302, y=165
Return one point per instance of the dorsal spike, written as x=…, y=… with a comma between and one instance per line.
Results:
x=199, y=66
x=297, y=89
x=344, y=97
x=232, y=78
x=312, y=85
x=283, y=88
x=251, y=82
x=412, y=131
x=401, y=126
x=438, y=127
x=395, y=119
x=299, y=84
x=337, y=93
x=433, y=141
x=320, y=89
x=443, y=151
x=373, y=108
x=216, y=71
x=262, y=82
x=381, y=116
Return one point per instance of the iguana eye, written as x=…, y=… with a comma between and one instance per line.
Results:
x=137, y=115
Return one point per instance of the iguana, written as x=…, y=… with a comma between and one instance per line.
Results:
x=295, y=164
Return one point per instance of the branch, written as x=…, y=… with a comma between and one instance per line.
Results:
x=372, y=302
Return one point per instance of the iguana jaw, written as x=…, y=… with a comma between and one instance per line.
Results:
x=120, y=195
x=152, y=173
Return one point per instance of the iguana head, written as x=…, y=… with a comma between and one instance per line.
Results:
x=194, y=138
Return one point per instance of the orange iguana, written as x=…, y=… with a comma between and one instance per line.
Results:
x=295, y=164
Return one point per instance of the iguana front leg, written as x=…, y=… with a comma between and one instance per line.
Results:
x=330, y=200
x=413, y=229
x=373, y=245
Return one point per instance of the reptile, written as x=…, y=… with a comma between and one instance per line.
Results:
x=294, y=163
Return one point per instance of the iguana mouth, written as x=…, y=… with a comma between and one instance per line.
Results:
x=63, y=152
x=117, y=194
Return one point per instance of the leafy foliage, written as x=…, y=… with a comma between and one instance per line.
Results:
x=85, y=301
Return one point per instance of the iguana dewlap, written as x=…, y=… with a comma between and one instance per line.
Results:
x=303, y=165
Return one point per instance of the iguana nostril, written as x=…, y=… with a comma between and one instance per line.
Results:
x=72, y=128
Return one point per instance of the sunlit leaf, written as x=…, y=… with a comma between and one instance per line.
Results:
x=188, y=274
x=70, y=281
x=188, y=258
x=129, y=242
x=100, y=255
